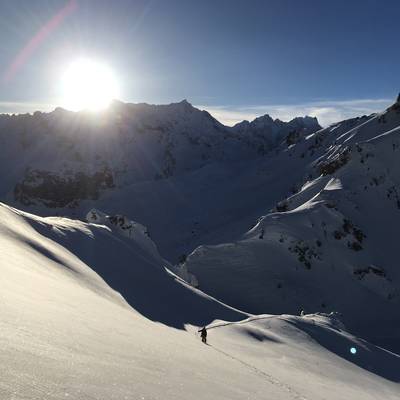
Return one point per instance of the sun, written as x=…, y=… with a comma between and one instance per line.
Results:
x=88, y=85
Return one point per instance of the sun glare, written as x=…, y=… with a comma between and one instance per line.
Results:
x=89, y=85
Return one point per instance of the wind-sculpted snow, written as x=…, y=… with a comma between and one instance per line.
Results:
x=129, y=265
x=65, y=333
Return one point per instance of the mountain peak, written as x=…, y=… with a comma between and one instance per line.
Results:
x=59, y=110
x=184, y=104
x=307, y=121
x=264, y=119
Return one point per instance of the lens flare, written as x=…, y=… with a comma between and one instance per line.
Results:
x=41, y=35
x=353, y=350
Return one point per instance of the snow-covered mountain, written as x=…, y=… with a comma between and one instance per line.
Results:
x=62, y=157
x=267, y=132
x=88, y=311
x=332, y=244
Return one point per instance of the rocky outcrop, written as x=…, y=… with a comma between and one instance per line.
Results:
x=57, y=191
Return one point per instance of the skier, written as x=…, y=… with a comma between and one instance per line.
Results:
x=203, y=334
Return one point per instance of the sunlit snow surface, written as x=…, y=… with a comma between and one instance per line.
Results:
x=65, y=333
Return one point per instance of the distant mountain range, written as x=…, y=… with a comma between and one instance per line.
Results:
x=137, y=159
x=61, y=158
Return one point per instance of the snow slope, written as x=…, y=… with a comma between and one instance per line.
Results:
x=310, y=357
x=66, y=332
x=125, y=264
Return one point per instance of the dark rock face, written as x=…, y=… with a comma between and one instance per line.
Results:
x=332, y=166
x=362, y=272
x=292, y=137
x=57, y=191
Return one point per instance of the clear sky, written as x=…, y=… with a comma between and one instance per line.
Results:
x=236, y=58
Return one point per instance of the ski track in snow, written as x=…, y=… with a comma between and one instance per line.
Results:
x=270, y=378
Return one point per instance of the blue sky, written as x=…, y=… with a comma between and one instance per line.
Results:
x=238, y=59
